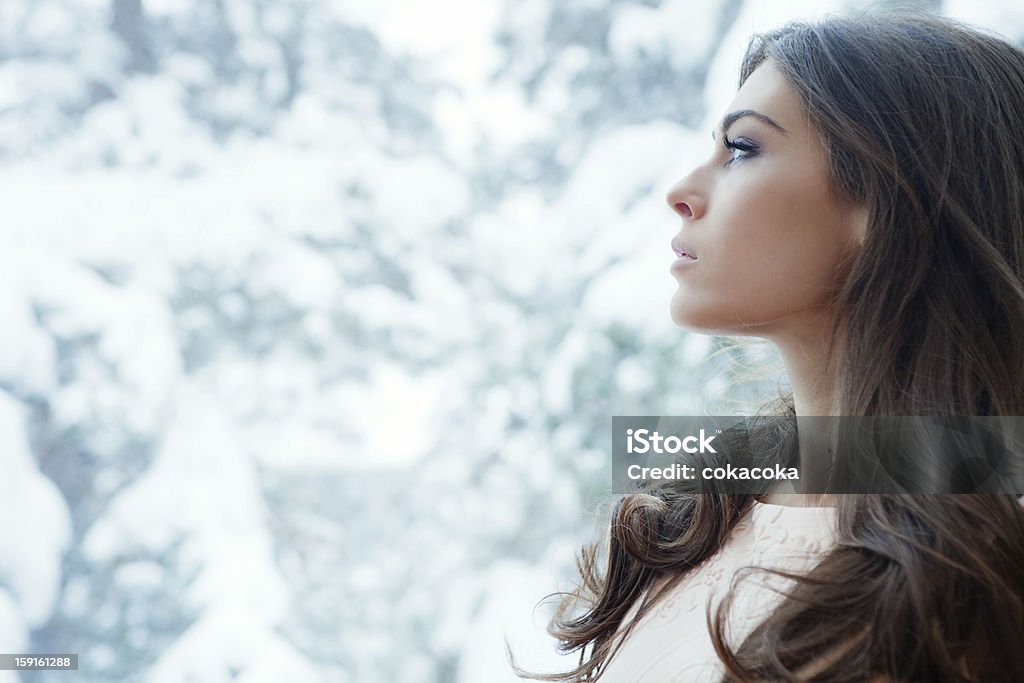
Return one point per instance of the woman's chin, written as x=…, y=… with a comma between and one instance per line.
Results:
x=706, y=321
x=690, y=312
x=693, y=320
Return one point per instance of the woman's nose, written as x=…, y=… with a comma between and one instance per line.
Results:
x=684, y=209
x=684, y=201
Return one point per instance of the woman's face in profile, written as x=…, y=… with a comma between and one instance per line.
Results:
x=761, y=220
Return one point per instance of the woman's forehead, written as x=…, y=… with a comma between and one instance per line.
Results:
x=768, y=92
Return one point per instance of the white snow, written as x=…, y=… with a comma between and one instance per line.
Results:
x=13, y=632
x=510, y=611
x=681, y=30
x=203, y=486
x=36, y=524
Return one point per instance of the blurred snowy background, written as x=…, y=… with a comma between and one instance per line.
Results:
x=315, y=315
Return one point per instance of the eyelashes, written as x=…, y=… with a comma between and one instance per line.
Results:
x=739, y=145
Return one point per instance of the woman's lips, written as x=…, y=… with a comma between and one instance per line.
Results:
x=683, y=262
x=685, y=258
x=683, y=251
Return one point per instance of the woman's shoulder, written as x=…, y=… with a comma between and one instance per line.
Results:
x=671, y=639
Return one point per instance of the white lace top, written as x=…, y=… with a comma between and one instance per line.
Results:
x=672, y=642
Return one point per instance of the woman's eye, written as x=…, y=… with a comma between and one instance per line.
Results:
x=739, y=145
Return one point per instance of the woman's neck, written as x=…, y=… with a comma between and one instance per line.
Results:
x=814, y=400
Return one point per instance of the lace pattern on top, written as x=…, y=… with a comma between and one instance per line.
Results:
x=672, y=642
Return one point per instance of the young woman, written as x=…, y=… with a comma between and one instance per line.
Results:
x=863, y=210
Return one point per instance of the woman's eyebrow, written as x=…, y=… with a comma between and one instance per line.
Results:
x=732, y=117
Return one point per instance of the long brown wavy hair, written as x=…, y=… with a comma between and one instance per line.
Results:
x=922, y=118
